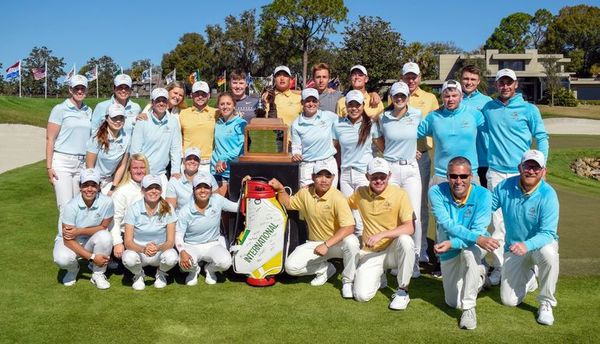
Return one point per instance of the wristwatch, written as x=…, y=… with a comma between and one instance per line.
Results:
x=91, y=260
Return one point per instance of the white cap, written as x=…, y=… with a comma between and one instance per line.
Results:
x=322, y=166
x=411, y=67
x=282, y=69
x=310, y=92
x=191, y=151
x=159, y=92
x=360, y=68
x=89, y=175
x=115, y=109
x=536, y=156
x=77, y=80
x=200, y=86
x=151, y=180
x=122, y=79
x=378, y=165
x=399, y=87
x=506, y=72
x=449, y=84
x=355, y=95
x=202, y=178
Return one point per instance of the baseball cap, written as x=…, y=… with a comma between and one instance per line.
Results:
x=151, y=180
x=200, y=86
x=191, y=151
x=449, y=84
x=310, y=92
x=202, y=178
x=506, y=72
x=360, y=68
x=399, y=87
x=322, y=166
x=411, y=67
x=122, y=79
x=536, y=156
x=89, y=175
x=77, y=80
x=282, y=69
x=115, y=109
x=355, y=95
x=378, y=165
x=159, y=92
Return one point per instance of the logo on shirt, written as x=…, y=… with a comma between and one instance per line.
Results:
x=464, y=124
x=532, y=212
x=515, y=115
x=468, y=212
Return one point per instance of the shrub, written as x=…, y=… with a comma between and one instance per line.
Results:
x=562, y=97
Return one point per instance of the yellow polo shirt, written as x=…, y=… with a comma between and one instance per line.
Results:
x=381, y=212
x=371, y=112
x=324, y=215
x=198, y=129
x=426, y=102
x=288, y=105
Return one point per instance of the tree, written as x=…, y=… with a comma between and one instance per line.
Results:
x=36, y=59
x=308, y=21
x=138, y=67
x=512, y=35
x=538, y=27
x=372, y=43
x=276, y=46
x=107, y=68
x=189, y=55
x=427, y=56
x=552, y=70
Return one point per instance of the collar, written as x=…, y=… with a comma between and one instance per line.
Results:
x=305, y=120
x=286, y=93
x=530, y=192
x=462, y=203
x=325, y=197
x=454, y=112
x=156, y=121
x=127, y=104
x=69, y=104
x=119, y=137
x=204, y=109
x=472, y=95
x=346, y=120
x=418, y=92
x=383, y=195
x=518, y=97
x=144, y=211
x=81, y=204
x=195, y=210
x=231, y=120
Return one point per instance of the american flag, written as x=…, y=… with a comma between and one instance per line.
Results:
x=38, y=73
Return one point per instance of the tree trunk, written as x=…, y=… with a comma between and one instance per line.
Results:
x=304, y=62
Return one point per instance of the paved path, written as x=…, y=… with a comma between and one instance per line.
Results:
x=572, y=126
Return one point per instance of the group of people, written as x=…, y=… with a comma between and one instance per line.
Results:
x=149, y=186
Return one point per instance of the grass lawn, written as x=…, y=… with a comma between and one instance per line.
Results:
x=579, y=111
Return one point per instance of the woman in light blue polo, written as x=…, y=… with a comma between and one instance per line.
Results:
x=68, y=131
x=398, y=125
x=150, y=235
x=107, y=149
x=312, y=137
x=198, y=232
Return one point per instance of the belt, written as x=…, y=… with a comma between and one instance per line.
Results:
x=324, y=160
x=78, y=156
x=401, y=161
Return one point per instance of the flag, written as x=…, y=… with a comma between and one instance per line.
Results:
x=70, y=74
x=38, y=73
x=146, y=75
x=249, y=79
x=221, y=79
x=118, y=71
x=335, y=83
x=293, y=83
x=195, y=76
x=92, y=74
x=311, y=83
x=13, y=71
x=171, y=76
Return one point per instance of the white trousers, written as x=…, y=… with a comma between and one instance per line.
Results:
x=518, y=270
x=99, y=243
x=424, y=172
x=213, y=253
x=371, y=266
x=306, y=171
x=303, y=261
x=464, y=276
x=350, y=180
x=498, y=231
x=408, y=177
x=135, y=261
x=67, y=168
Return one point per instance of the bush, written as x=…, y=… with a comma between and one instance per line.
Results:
x=589, y=102
x=562, y=97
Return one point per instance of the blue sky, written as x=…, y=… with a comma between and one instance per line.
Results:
x=129, y=30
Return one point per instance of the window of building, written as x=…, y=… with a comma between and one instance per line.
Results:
x=516, y=65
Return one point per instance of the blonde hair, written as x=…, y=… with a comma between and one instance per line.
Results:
x=178, y=84
x=135, y=157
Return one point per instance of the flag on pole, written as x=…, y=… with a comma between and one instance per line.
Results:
x=310, y=84
x=70, y=74
x=13, y=71
x=118, y=71
x=92, y=74
x=195, y=76
x=249, y=79
x=335, y=83
x=38, y=73
x=171, y=76
x=146, y=75
x=221, y=79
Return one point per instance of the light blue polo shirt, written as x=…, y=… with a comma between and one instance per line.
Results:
x=352, y=155
x=229, y=142
x=530, y=218
x=454, y=134
x=182, y=189
x=107, y=161
x=131, y=111
x=400, y=134
x=148, y=228
x=313, y=136
x=478, y=100
x=510, y=130
x=197, y=228
x=462, y=224
x=75, y=127
x=159, y=141
x=77, y=214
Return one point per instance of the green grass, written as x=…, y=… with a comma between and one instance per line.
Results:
x=580, y=111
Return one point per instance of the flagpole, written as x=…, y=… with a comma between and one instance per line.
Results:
x=46, y=79
x=225, y=75
x=20, y=78
x=97, y=91
x=150, y=93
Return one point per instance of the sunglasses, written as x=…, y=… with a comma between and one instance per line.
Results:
x=378, y=176
x=534, y=168
x=461, y=176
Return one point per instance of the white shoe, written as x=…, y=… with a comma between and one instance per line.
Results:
x=400, y=300
x=394, y=272
x=138, y=281
x=347, y=291
x=545, y=316
x=160, y=279
x=99, y=280
x=70, y=277
x=495, y=276
x=383, y=281
x=192, y=277
x=468, y=320
x=322, y=277
x=211, y=276
x=416, y=271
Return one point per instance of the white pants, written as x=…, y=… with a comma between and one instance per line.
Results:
x=350, y=180
x=498, y=231
x=106, y=184
x=306, y=171
x=464, y=276
x=518, y=270
x=99, y=243
x=303, y=261
x=408, y=177
x=371, y=266
x=425, y=172
x=135, y=261
x=67, y=168
x=217, y=256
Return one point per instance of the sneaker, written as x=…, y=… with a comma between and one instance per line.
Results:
x=468, y=320
x=424, y=258
x=211, y=276
x=394, y=272
x=70, y=277
x=495, y=276
x=160, y=279
x=545, y=316
x=347, y=291
x=99, y=280
x=138, y=281
x=416, y=271
x=383, y=281
x=192, y=277
x=400, y=300
x=436, y=274
x=322, y=277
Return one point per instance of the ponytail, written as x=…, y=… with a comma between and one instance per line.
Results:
x=365, y=129
x=164, y=207
x=102, y=135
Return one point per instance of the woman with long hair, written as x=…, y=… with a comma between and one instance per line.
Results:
x=175, y=100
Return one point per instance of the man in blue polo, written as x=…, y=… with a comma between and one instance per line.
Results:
x=121, y=94
x=530, y=207
x=511, y=123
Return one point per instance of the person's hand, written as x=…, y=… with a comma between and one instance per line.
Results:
x=69, y=232
x=109, y=193
x=276, y=185
x=51, y=175
x=375, y=100
x=142, y=117
x=176, y=175
x=118, y=250
x=373, y=240
x=442, y=247
x=518, y=249
x=418, y=155
x=101, y=260
x=297, y=158
x=487, y=243
x=185, y=260
x=220, y=166
x=151, y=249
x=321, y=250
